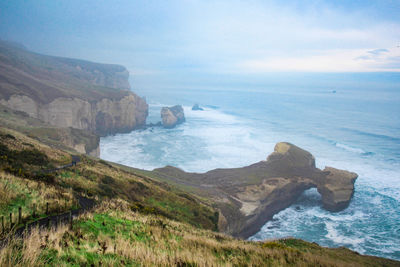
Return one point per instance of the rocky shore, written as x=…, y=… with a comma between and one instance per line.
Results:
x=248, y=197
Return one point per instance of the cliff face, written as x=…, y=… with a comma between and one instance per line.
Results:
x=81, y=141
x=248, y=197
x=104, y=117
x=69, y=92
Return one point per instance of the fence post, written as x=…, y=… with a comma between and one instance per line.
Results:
x=70, y=220
x=19, y=215
x=47, y=208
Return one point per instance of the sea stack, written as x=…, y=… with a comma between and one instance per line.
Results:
x=197, y=107
x=171, y=116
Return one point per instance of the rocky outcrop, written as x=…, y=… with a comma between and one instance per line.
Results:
x=171, y=116
x=104, y=117
x=248, y=197
x=197, y=107
x=336, y=188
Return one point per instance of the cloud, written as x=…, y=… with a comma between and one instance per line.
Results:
x=224, y=36
x=378, y=51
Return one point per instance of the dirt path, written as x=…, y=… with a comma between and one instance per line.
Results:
x=53, y=220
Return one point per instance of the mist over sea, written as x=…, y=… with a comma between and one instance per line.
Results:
x=347, y=121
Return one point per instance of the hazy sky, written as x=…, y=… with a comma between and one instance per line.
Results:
x=218, y=37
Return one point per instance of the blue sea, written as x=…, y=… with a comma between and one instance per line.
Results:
x=347, y=121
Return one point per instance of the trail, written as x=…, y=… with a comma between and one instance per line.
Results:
x=53, y=220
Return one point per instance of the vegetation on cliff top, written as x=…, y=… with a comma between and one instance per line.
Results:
x=114, y=235
x=45, y=78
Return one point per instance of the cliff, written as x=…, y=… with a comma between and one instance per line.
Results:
x=81, y=141
x=248, y=197
x=69, y=92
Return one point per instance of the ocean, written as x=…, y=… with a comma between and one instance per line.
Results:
x=347, y=121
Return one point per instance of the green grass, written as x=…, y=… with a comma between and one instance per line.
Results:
x=81, y=257
x=104, y=224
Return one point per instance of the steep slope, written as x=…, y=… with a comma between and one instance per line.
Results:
x=69, y=92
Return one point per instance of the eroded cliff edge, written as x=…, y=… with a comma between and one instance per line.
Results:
x=248, y=197
x=67, y=92
x=106, y=116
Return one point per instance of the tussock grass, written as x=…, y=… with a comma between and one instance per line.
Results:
x=31, y=195
x=101, y=180
x=114, y=235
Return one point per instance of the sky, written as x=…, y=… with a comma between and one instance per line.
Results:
x=224, y=37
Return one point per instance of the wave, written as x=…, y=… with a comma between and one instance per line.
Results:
x=334, y=235
x=354, y=149
x=209, y=115
x=374, y=135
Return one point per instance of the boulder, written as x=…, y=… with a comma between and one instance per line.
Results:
x=197, y=107
x=336, y=188
x=171, y=116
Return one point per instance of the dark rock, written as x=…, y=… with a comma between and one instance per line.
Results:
x=197, y=107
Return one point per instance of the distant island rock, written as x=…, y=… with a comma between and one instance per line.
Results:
x=248, y=197
x=172, y=116
x=197, y=107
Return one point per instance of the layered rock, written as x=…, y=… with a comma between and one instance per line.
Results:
x=248, y=197
x=82, y=141
x=103, y=117
x=171, y=116
x=337, y=188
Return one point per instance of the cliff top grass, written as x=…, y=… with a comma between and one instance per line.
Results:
x=45, y=78
x=114, y=235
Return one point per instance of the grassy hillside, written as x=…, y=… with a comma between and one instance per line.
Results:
x=44, y=78
x=138, y=221
x=26, y=158
x=114, y=235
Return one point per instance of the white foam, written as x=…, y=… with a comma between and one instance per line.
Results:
x=334, y=235
x=350, y=148
x=209, y=115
